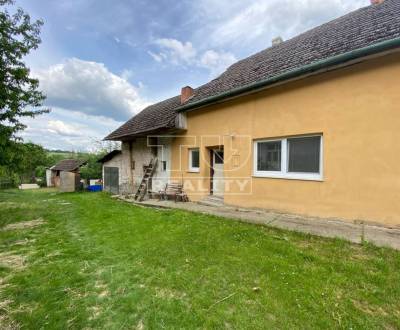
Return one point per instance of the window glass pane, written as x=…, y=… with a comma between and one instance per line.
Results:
x=195, y=159
x=218, y=157
x=269, y=156
x=304, y=154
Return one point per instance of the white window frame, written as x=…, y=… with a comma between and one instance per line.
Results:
x=191, y=168
x=283, y=173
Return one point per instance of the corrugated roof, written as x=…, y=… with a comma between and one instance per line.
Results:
x=68, y=165
x=359, y=29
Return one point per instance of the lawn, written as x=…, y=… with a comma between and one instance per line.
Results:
x=86, y=260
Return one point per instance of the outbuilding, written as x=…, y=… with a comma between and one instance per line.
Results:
x=65, y=175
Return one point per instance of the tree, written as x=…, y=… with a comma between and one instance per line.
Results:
x=29, y=162
x=30, y=156
x=101, y=146
x=93, y=169
x=19, y=94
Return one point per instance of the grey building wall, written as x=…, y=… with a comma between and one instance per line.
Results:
x=132, y=160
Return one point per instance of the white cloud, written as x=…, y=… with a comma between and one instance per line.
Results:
x=68, y=130
x=244, y=23
x=59, y=127
x=157, y=57
x=216, y=62
x=177, y=51
x=180, y=53
x=89, y=87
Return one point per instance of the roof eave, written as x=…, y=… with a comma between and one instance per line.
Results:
x=109, y=156
x=333, y=61
x=156, y=129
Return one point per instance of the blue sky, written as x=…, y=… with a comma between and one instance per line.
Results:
x=102, y=61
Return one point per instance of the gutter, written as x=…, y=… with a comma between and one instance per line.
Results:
x=295, y=73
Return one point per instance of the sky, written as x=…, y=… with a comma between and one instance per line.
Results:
x=101, y=62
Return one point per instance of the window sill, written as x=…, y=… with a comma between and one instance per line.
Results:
x=300, y=177
x=193, y=171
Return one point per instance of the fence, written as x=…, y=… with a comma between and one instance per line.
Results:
x=7, y=184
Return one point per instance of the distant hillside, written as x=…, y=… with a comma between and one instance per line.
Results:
x=62, y=154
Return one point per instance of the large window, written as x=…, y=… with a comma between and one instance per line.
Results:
x=290, y=158
x=194, y=160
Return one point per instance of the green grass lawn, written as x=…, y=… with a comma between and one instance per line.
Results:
x=93, y=262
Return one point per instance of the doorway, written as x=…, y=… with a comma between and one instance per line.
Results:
x=111, y=180
x=217, y=172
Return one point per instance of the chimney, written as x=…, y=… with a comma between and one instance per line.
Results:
x=277, y=41
x=186, y=94
x=376, y=2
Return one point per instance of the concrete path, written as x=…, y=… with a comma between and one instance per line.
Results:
x=356, y=233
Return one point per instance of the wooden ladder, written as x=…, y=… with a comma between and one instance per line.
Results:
x=148, y=174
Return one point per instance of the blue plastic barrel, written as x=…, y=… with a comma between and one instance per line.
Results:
x=95, y=188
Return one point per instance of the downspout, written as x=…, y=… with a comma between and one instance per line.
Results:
x=306, y=69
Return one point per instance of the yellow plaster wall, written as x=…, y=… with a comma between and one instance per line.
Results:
x=357, y=109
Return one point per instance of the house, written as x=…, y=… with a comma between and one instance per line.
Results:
x=308, y=126
x=65, y=175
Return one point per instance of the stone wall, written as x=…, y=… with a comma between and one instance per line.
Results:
x=142, y=153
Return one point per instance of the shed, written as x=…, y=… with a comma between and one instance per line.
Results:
x=65, y=174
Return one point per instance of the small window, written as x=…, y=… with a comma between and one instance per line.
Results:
x=269, y=156
x=164, y=165
x=289, y=158
x=194, y=160
x=218, y=157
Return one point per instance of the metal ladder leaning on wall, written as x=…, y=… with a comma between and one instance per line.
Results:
x=148, y=174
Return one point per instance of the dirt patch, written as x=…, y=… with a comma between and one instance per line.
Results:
x=24, y=242
x=63, y=202
x=7, y=203
x=95, y=312
x=102, y=288
x=14, y=205
x=370, y=310
x=103, y=294
x=3, y=284
x=4, y=304
x=54, y=254
x=140, y=325
x=12, y=261
x=7, y=324
x=165, y=293
x=25, y=224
